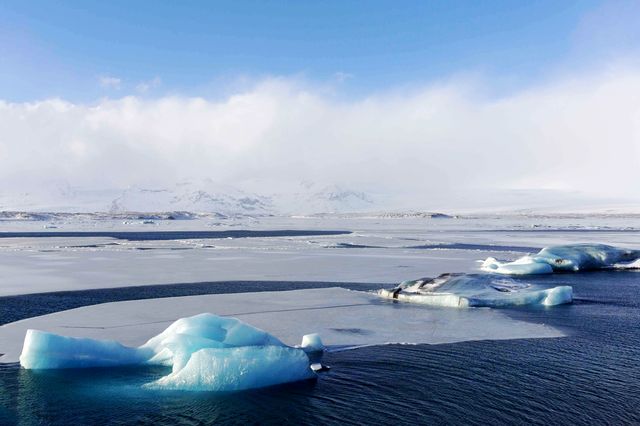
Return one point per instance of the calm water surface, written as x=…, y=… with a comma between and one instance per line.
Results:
x=590, y=377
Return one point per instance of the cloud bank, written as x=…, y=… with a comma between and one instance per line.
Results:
x=571, y=134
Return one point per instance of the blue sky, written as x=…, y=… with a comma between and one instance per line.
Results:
x=78, y=50
x=431, y=102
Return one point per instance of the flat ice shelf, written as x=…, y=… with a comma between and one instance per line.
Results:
x=342, y=318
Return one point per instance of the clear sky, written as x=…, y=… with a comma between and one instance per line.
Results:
x=421, y=98
x=78, y=50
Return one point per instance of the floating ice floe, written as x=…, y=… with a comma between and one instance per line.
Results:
x=206, y=352
x=476, y=290
x=565, y=258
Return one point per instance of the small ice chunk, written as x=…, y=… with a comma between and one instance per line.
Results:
x=312, y=343
x=320, y=368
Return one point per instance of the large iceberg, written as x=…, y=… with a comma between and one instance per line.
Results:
x=564, y=258
x=233, y=369
x=205, y=352
x=476, y=290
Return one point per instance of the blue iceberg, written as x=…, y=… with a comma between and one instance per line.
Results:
x=564, y=258
x=240, y=368
x=205, y=352
x=476, y=290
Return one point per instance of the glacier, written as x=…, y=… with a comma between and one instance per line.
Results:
x=476, y=290
x=564, y=258
x=205, y=352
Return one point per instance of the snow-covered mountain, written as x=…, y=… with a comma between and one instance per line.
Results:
x=308, y=198
x=194, y=197
x=288, y=198
x=190, y=196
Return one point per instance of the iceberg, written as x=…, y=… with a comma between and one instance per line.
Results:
x=205, y=352
x=564, y=258
x=476, y=290
x=235, y=369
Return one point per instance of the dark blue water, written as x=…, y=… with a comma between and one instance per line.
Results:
x=479, y=247
x=449, y=246
x=15, y=308
x=590, y=377
x=171, y=235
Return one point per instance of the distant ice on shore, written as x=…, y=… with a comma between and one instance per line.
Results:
x=564, y=258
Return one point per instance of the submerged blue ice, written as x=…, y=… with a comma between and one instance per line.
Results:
x=476, y=290
x=564, y=258
x=206, y=352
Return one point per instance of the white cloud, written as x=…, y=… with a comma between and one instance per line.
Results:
x=341, y=76
x=110, y=82
x=579, y=134
x=145, y=86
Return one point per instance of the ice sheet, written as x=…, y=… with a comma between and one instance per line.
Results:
x=55, y=264
x=341, y=317
x=33, y=265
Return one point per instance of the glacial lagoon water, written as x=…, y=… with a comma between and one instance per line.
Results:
x=590, y=376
